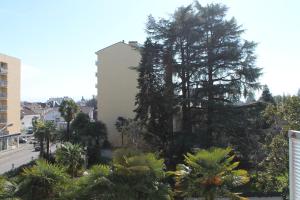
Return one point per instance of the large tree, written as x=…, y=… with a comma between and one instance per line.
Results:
x=154, y=99
x=90, y=135
x=212, y=65
x=68, y=110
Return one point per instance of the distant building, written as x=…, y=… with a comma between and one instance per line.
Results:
x=36, y=107
x=116, y=84
x=10, y=123
x=87, y=110
x=55, y=102
x=82, y=102
x=54, y=116
x=27, y=115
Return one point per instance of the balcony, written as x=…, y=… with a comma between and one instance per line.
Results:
x=3, y=96
x=3, y=108
x=3, y=121
x=97, y=63
x=3, y=71
x=3, y=83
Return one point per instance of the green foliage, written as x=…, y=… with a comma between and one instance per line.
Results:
x=284, y=116
x=266, y=96
x=139, y=176
x=132, y=132
x=94, y=185
x=44, y=131
x=7, y=189
x=213, y=65
x=209, y=174
x=42, y=181
x=68, y=110
x=90, y=135
x=71, y=157
x=154, y=103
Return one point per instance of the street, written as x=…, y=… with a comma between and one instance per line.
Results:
x=17, y=157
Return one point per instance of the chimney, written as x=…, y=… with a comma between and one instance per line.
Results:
x=133, y=44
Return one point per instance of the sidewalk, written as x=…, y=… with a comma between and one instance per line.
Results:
x=14, y=158
x=12, y=151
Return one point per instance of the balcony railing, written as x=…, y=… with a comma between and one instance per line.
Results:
x=3, y=96
x=3, y=108
x=3, y=120
x=3, y=71
x=3, y=83
x=97, y=63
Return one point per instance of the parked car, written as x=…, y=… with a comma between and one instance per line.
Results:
x=37, y=148
x=22, y=140
x=29, y=130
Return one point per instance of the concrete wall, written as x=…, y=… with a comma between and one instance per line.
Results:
x=116, y=85
x=13, y=92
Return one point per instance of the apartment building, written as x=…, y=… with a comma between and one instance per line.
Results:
x=10, y=122
x=116, y=84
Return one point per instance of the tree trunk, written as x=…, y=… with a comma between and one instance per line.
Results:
x=42, y=147
x=68, y=132
x=48, y=147
x=209, y=109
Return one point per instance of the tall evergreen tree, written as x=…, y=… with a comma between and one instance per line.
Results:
x=266, y=95
x=152, y=105
x=212, y=64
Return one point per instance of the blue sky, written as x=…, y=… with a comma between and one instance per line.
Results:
x=56, y=39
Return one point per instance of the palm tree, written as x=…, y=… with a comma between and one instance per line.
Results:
x=42, y=181
x=68, y=110
x=139, y=176
x=94, y=185
x=7, y=189
x=209, y=174
x=71, y=157
x=49, y=128
x=39, y=133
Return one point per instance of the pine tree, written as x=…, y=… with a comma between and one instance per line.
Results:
x=151, y=99
x=266, y=96
x=214, y=67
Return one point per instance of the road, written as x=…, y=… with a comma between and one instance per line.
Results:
x=17, y=157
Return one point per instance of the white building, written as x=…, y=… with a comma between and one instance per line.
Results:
x=27, y=116
x=54, y=116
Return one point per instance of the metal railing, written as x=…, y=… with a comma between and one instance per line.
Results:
x=3, y=120
x=3, y=70
x=3, y=108
x=3, y=83
x=3, y=95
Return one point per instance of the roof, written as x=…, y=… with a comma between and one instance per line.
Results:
x=121, y=42
x=28, y=111
x=5, y=55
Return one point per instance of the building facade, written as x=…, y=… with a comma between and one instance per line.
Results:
x=10, y=93
x=10, y=108
x=116, y=85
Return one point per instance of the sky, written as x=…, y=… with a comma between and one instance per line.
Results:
x=56, y=40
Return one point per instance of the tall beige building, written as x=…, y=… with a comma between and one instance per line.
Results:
x=116, y=85
x=10, y=93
